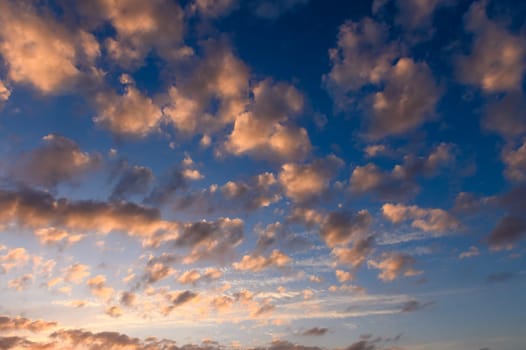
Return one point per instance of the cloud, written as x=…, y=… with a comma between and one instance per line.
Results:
x=394, y=264
x=315, y=331
x=9, y=324
x=177, y=299
x=508, y=230
x=133, y=180
x=414, y=305
x=342, y=227
x=129, y=114
x=4, y=94
x=99, y=288
x=271, y=9
x=140, y=27
x=260, y=191
x=306, y=182
x=14, y=258
x=500, y=277
x=407, y=100
x=406, y=92
x=194, y=276
x=515, y=161
x=210, y=93
x=400, y=182
x=34, y=209
x=20, y=283
x=41, y=52
x=265, y=129
x=215, y=8
x=356, y=255
x=362, y=57
x=425, y=219
x=211, y=240
x=505, y=115
x=113, y=311
x=52, y=235
x=498, y=57
x=471, y=252
x=415, y=14
x=58, y=159
x=76, y=273
x=128, y=299
x=511, y=227
x=257, y=263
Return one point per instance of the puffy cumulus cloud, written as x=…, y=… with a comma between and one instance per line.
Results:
x=131, y=114
x=128, y=298
x=498, y=57
x=35, y=210
x=355, y=255
x=507, y=232
x=133, y=180
x=13, y=258
x=177, y=299
x=9, y=324
x=394, y=264
x=214, y=8
x=113, y=311
x=168, y=185
x=211, y=93
x=260, y=191
x=4, y=94
x=211, y=240
x=416, y=14
x=265, y=128
x=98, y=287
x=342, y=227
x=511, y=227
x=41, y=52
x=305, y=182
x=53, y=235
x=278, y=234
x=407, y=100
x=21, y=282
x=140, y=27
x=506, y=115
x=515, y=161
x=57, y=159
x=76, y=273
x=406, y=92
x=258, y=262
x=271, y=9
x=362, y=57
x=400, y=182
x=157, y=270
x=194, y=276
x=370, y=178
x=309, y=217
x=343, y=276
x=425, y=219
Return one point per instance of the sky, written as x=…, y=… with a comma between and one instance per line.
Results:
x=263, y=174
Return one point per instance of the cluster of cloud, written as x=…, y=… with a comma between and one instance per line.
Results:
x=400, y=182
x=406, y=92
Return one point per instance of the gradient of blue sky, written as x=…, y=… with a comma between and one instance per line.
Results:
x=271, y=174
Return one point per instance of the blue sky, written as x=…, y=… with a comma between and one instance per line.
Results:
x=262, y=174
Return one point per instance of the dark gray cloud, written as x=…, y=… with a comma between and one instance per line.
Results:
x=58, y=159
x=414, y=305
x=315, y=331
x=133, y=180
x=500, y=277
